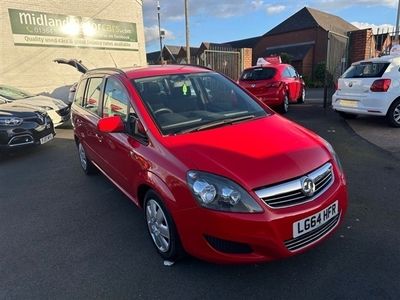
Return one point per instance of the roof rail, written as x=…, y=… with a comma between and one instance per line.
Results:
x=108, y=69
x=191, y=65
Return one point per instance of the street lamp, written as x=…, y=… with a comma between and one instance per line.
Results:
x=160, y=33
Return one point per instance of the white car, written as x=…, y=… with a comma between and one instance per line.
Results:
x=370, y=87
x=57, y=110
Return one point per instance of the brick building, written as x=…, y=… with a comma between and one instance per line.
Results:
x=303, y=37
x=35, y=32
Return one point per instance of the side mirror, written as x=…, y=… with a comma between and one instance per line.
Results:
x=111, y=125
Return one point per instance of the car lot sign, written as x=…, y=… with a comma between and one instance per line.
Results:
x=54, y=30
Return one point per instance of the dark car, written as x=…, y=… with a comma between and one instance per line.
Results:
x=23, y=126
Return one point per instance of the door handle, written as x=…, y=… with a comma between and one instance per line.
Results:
x=99, y=137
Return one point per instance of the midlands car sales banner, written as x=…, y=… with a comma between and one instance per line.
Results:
x=54, y=30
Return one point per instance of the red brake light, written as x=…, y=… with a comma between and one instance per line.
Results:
x=381, y=85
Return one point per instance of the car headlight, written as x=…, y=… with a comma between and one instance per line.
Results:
x=10, y=121
x=219, y=193
x=334, y=155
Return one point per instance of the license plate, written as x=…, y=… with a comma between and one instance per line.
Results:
x=310, y=223
x=46, y=138
x=349, y=103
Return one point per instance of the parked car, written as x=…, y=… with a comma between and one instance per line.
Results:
x=276, y=85
x=218, y=174
x=58, y=111
x=23, y=126
x=370, y=87
x=79, y=66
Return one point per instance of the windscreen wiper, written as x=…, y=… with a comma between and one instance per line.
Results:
x=219, y=123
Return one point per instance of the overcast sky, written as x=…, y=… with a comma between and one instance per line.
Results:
x=226, y=20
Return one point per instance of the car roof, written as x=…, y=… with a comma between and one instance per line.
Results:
x=274, y=66
x=382, y=59
x=152, y=71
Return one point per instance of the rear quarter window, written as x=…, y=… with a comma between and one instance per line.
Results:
x=80, y=92
x=366, y=70
x=258, y=74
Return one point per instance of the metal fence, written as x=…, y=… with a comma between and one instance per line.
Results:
x=384, y=40
x=336, y=62
x=224, y=60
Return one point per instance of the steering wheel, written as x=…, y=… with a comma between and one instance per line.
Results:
x=163, y=110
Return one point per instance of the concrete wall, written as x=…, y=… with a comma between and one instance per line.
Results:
x=31, y=67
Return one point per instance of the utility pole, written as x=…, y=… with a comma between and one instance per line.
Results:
x=159, y=32
x=187, y=31
x=396, y=37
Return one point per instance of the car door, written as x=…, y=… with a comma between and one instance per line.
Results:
x=119, y=150
x=289, y=81
x=90, y=116
x=297, y=81
x=85, y=121
x=292, y=83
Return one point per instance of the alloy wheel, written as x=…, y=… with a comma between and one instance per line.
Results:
x=396, y=114
x=286, y=104
x=158, y=225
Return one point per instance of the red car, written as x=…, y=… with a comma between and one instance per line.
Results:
x=276, y=85
x=218, y=174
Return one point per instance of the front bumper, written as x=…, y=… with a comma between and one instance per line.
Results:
x=256, y=237
x=27, y=135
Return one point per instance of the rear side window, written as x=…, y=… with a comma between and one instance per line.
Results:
x=93, y=93
x=258, y=74
x=287, y=73
x=292, y=72
x=80, y=92
x=366, y=70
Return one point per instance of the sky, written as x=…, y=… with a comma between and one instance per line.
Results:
x=226, y=20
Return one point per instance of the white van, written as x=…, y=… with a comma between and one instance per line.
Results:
x=370, y=87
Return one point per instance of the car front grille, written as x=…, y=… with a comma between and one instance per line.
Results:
x=291, y=193
x=312, y=236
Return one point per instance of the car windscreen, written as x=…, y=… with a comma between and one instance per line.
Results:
x=366, y=70
x=258, y=74
x=13, y=94
x=185, y=102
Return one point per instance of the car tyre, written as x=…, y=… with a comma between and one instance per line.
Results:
x=285, y=105
x=87, y=166
x=393, y=115
x=302, y=98
x=346, y=115
x=161, y=228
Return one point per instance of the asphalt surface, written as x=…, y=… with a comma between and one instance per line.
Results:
x=64, y=235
